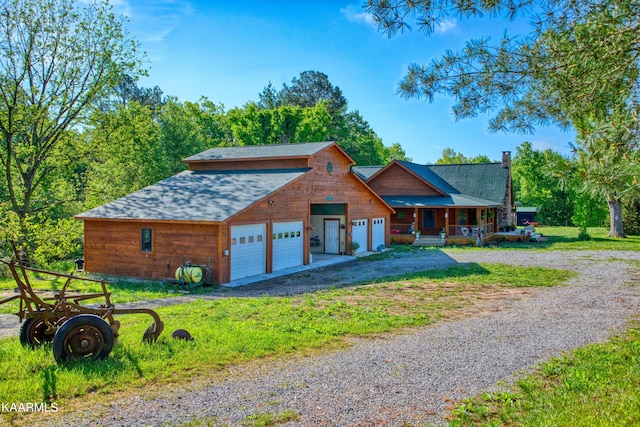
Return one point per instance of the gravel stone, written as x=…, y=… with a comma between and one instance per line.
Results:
x=400, y=379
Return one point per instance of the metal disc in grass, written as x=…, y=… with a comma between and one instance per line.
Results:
x=181, y=334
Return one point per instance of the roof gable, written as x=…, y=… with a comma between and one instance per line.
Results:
x=468, y=184
x=402, y=178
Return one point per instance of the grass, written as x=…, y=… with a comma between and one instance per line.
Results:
x=566, y=238
x=598, y=385
x=595, y=385
x=558, y=238
x=236, y=330
x=122, y=290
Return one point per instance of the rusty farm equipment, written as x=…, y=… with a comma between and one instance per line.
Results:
x=77, y=331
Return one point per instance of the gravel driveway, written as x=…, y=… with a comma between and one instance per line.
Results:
x=400, y=379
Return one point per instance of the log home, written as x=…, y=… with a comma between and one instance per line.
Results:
x=467, y=201
x=242, y=210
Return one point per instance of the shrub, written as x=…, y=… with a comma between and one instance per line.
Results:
x=584, y=235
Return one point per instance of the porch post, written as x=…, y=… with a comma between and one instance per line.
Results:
x=480, y=232
x=416, y=219
x=446, y=221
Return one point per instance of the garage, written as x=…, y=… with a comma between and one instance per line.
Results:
x=377, y=233
x=248, y=250
x=288, y=244
x=359, y=233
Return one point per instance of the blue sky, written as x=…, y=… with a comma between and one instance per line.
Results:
x=229, y=51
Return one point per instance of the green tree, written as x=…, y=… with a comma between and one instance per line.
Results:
x=269, y=98
x=535, y=184
x=396, y=152
x=449, y=156
x=57, y=59
x=578, y=67
x=187, y=129
x=608, y=161
x=315, y=125
x=128, y=90
x=360, y=142
x=119, y=153
x=318, y=111
x=309, y=89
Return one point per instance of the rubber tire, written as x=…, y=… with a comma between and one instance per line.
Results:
x=82, y=323
x=32, y=333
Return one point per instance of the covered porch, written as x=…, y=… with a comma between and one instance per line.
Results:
x=459, y=223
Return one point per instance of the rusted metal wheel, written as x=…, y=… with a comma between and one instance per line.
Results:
x=85, y=336
x=33, y=333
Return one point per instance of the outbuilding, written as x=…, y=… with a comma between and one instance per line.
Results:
x=243, y=211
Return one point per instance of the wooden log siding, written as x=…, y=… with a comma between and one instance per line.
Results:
x=114, y=247
x=293, y=203
x=396, y=181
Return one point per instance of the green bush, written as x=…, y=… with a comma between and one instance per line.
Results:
x=584, y=235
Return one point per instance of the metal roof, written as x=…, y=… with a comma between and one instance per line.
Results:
x=452, y=200
x=197, y=196
x=260, y=151
x=526, y=209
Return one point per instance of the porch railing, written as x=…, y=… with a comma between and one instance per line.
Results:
x=454, y=229
x=471, y=230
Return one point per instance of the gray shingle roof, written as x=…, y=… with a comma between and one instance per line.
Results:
x=466, y=184
x=197, y=196
x=260, y=151
x=365, y=172
x=484, y=180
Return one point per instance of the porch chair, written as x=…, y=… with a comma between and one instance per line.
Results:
x=465, y=231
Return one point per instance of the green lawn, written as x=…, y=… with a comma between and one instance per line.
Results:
x=598, y=385
x=237, y=330
x=564, y=238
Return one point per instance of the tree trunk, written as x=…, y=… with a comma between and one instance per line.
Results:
x=616, y=228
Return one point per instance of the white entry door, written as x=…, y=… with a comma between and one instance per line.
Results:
x=377, y=233
x=332, y=236
x=248, y=250
x=287, y=244
x=359, y=233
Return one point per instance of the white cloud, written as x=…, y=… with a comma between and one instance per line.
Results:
x=153, y=20
x=353, y=14
x=121, y=7
x=447, y=26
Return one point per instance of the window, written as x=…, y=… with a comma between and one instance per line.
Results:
x=147, y=240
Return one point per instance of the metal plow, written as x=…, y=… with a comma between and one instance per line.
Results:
x=76, y=331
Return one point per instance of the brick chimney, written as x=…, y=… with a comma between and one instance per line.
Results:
x=506, y=159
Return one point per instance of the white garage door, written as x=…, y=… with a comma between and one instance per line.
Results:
x=248, y=250
x=377, y=233
x=359, y=234
x=287, y=244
